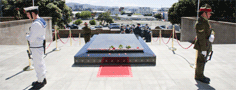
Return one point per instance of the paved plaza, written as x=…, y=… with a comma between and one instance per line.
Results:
x=172, y=70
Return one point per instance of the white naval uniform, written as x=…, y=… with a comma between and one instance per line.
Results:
x=36, y=38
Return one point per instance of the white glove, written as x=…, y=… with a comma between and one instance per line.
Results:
x=211, y=38
x=204, y=53
x=27, y=35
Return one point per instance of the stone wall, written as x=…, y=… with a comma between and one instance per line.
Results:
x=4, y=19
x=14, y=32
x=225, y=31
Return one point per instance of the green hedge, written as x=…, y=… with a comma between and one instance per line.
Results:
x=78, y=22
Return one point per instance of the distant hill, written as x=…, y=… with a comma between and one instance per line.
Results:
x=72, y=5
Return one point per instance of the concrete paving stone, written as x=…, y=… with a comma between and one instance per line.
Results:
x=177, y=74
x=167, y=84
x=96, y=84
x=133, y=84
x=113, y=89
x=8, y=86
x=219, y=83
x=72, y=69
x=83, y=76
x=78, y=85
x=184, y=83
x=134, y=77
x=184, y=67
x=114, y=84
x=170, y=67
x=57, y=84
x=189, y=73
x=150, y=85
x=165, y=62
x=95, y=78
x=115, y=78
x=158, y=67
x=86, y=69
x=146, y=75
x=230, y=81
x=55, y=75
x=161, y=75
x=141, y=68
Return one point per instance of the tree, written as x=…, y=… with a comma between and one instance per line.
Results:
x=93, y=14
x=77, y=15
x=183, y=8
x=159, y=16
x=117, y=17
x=122, y=12
x=58, y=10
x=224, y=10
x=129, y=14
x=147, y=15
x=85, y=14
x=109, y=20
x=78, y=22
x=92, y=22
x=105, y=17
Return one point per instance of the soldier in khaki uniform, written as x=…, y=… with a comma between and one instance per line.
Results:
x=87, y=33
x=203, y=45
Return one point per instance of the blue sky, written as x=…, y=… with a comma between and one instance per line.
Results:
x=140, y=3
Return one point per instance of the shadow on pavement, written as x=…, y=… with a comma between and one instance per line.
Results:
x=49, y=53
x=14, y=75
x=191, y=64
x=27, y=87
x=204, y=86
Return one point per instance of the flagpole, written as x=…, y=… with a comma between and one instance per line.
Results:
x=33, y=2
x=198, y=9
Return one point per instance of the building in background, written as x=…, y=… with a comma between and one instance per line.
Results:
x=163, y=12
x=114, y=11
x=144, y=10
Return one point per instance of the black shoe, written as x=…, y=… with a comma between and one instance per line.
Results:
x=37, y=86
x=44, y=82
x=208, y=79
x=204, y=80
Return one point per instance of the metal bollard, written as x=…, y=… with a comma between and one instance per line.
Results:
x=70, y=38
x=79, y=40
x=160, y=37
x=55, y=30
x=173, y=33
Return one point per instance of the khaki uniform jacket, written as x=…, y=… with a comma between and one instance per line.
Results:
x=203, y=30
x=86, y=31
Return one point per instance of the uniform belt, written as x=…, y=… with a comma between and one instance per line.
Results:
x=37, y=47
x=44, y=45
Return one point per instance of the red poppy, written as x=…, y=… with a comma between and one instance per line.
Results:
x=17, y=9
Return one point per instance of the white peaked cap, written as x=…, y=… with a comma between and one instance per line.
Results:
x=31, y=8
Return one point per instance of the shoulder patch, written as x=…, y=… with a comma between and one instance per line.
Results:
x=212, y=32
x=201, y=30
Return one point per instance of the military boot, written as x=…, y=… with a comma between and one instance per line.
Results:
x=207, y=78
x=204, y=80
x=44, y=82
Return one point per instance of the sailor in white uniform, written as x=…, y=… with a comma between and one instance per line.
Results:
x=36, y=39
